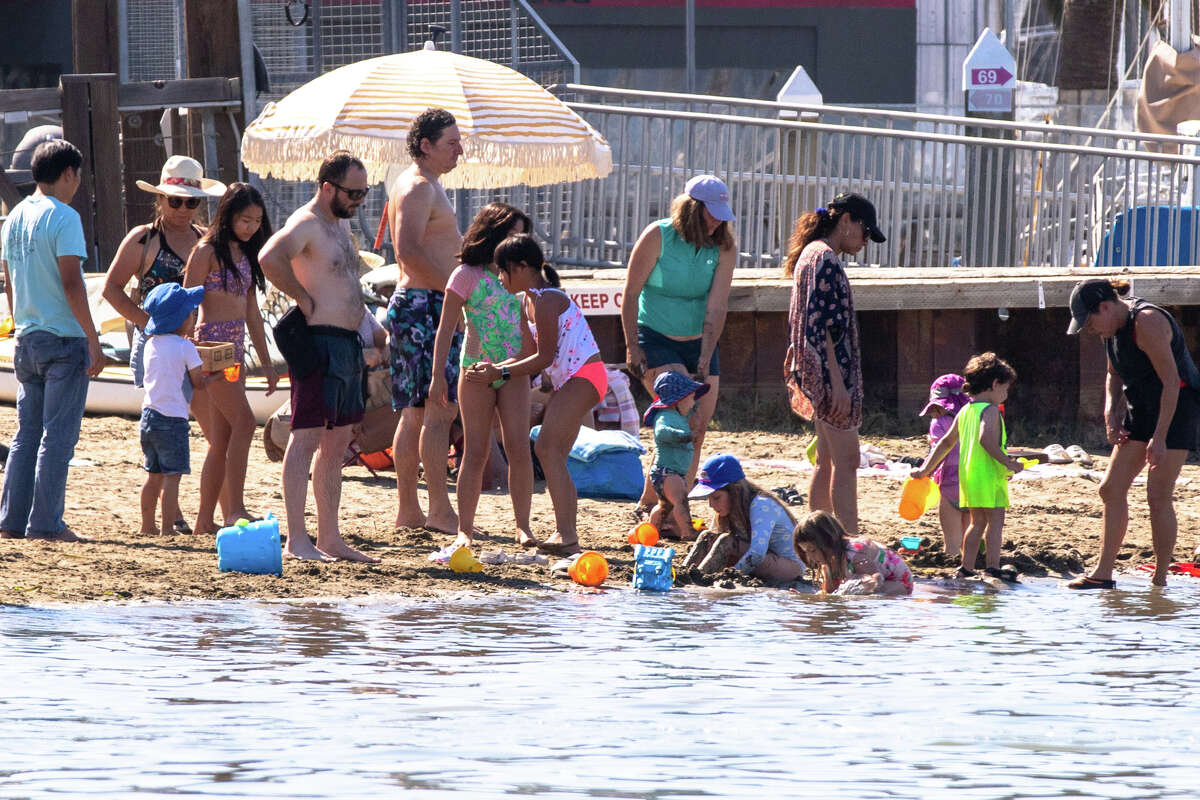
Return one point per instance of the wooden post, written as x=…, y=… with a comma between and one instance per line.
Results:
x=96, y=44
x=214, y=51
x=1093, y=373
x=91, y=123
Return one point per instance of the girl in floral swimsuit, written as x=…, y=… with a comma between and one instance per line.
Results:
x=564, y=347
x=494, y=334
x=226, y=264
x=837, y=557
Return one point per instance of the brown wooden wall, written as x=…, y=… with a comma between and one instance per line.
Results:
x=1060, y=378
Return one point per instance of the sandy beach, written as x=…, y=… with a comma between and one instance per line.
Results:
x=1053, y=528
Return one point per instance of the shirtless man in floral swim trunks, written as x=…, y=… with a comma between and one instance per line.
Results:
x=425, y=232
x=312, y=259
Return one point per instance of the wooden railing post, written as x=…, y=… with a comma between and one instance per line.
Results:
x=91, y=122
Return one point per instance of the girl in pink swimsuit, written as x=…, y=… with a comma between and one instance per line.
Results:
x=567, y=351
x=824, y=545
x=225, y=262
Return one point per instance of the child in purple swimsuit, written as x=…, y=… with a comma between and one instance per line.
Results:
x=225, y=262
x=946, y=399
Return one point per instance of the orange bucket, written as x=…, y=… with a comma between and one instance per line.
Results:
x=918, y=496
x=590, y=569
x=644, y=534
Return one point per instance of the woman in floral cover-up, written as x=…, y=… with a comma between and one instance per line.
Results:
x=823, y=366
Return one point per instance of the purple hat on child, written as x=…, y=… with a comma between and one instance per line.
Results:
x=947, y=392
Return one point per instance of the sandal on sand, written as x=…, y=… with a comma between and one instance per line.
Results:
x=1056, y=454
x=560, y=548
x=1087, y=582
x=1079, y=455
x=963, y=572
x=182, y=527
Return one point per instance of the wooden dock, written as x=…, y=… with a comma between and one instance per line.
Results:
x=917, y=324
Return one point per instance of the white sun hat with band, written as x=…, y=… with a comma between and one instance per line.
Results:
x=184, y=177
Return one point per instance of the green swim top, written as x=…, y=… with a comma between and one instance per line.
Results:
x=982, y=480
x=675, y=298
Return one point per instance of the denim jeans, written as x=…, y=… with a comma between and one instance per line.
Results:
x=137, y=356
x=52, y=371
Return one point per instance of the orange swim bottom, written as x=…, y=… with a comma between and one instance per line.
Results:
x=593, y=372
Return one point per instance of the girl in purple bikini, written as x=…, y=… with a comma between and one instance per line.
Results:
x=225, y=263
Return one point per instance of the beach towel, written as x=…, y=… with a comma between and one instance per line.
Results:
x=604, y=463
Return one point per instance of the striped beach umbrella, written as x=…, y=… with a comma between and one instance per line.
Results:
x=514, y=132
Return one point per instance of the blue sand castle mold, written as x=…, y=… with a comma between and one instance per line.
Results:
x=652, y=568
x=251, y=547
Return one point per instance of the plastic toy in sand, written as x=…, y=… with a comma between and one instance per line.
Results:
x=909, y=544
x=463, y=560
x=644, y=533
x=918, y=496
x=251, y=547
x=590, y=569
x=652, y=568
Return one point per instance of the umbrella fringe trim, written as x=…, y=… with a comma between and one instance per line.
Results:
x=540, y=164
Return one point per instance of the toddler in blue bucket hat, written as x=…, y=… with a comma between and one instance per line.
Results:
x=675, y=399
x=172, y=370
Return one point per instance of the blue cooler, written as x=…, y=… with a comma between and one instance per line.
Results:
x=251, y=547
x=652, y=568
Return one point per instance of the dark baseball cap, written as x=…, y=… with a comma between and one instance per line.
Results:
x=860, y=209
x=1086, y=297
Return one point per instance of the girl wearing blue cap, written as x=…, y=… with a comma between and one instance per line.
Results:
x=676, y=297
x=752, y=532
x=674, y=402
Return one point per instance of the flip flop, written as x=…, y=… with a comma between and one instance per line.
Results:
x=963, y=572
x=180, y=526
x=1056, y=454
x=1079, y=455
x=1086, y=582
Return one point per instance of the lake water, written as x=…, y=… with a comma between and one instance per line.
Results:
x=1038, y=692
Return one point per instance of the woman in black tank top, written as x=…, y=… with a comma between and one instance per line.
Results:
x=1151, y=415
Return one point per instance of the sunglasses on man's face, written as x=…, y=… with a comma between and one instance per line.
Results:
x=190, y=202
x=354, y=195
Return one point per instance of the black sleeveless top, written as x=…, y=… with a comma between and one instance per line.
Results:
x=1134, y=367
x=167, y=266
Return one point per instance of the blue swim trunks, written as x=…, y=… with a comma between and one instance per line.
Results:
x=413, y=316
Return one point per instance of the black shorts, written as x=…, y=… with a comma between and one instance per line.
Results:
x=334, y=394
x=662, y=350
x=1141, y=417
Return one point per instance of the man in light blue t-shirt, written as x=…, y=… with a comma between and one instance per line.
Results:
x=42, y=248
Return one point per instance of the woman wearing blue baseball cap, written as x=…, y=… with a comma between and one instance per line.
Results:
x=676, y=297
x=752, y=532
x=823, y=366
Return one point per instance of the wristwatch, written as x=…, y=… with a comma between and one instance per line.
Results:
x=504, y=373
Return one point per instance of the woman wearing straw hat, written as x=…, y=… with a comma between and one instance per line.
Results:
x=156, y=253
x=676, y=297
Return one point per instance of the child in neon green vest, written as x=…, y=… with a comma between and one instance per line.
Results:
x=984, y=466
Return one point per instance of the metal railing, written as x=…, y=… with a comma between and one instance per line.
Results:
x=972, y=196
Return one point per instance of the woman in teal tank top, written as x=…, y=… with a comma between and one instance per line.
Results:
x=676, y=297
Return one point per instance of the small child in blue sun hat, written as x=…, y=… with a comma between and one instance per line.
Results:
x=675, y=399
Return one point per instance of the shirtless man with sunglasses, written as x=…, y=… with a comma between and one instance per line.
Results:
x=312, y=259
x=427, y=240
